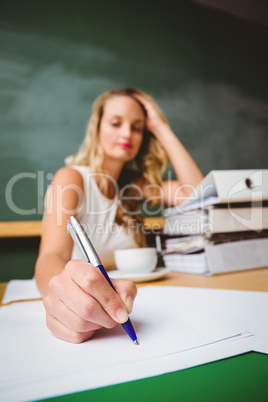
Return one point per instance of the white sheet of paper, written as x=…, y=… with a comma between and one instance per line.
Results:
x=172, y=324
x=75, y=382
x=245, y=309
x=21, y=289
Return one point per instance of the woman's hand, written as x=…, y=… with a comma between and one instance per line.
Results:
x=155, y=121
x=80, y=301
x=187, y=172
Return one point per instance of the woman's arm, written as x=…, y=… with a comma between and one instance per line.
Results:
x=77, y=298
x=187, y=172
x=64, y=199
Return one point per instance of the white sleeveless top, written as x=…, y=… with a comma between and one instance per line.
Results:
x=97, y=215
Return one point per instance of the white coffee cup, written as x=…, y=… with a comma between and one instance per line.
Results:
x=136, y=260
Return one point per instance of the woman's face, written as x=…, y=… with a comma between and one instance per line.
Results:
x=121, y=128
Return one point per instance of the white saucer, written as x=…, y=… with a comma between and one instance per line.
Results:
x=140, y=277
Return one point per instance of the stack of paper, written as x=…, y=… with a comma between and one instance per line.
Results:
x=225, y=219
x=176, y=327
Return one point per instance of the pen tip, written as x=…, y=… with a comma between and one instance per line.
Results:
x=136, y=342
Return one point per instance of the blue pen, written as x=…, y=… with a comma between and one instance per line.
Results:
x=86, y=248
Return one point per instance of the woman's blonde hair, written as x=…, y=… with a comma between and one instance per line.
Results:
x=146, y=169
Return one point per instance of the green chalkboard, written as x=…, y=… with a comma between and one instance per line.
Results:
x=207, y=70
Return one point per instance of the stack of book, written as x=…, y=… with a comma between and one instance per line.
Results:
x=223, y=227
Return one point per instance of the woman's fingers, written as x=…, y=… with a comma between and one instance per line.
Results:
x=64, y=290
x=68, y=318
x=154, y=120
x=144, y=101
x=65, y=333
x=81, y=301
x=93, y=283
x=127, y=292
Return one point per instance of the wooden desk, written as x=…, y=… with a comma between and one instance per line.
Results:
x=254, y=279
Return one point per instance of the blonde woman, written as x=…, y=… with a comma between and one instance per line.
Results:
x=119, y=165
